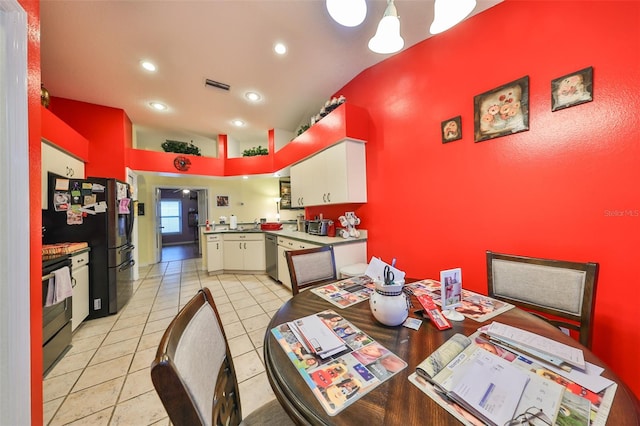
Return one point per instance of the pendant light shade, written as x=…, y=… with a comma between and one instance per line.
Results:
x=387, y=38
x=448, y=13
x=349, y=13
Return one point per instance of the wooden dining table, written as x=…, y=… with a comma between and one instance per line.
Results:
x=397, y=401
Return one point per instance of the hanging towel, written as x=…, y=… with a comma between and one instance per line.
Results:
x=59, y=286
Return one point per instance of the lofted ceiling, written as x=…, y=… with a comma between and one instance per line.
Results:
x=91, y=51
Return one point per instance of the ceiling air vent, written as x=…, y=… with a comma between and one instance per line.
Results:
x=213, y=83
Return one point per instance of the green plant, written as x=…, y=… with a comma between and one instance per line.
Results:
x=302, y=129
x=252, y=152
x=180, y=147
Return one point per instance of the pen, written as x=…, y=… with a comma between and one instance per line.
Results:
x=393, y=262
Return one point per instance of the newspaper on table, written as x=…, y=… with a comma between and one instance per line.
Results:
x=576, y=405
x=474, y=306
x=344, y=377
x=346, y=292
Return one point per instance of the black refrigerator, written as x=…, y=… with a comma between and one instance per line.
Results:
x=100, y=212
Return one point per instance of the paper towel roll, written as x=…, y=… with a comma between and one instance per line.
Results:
x=233, y=222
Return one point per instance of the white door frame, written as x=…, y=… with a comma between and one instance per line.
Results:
x=15, y=284
x=201, y=218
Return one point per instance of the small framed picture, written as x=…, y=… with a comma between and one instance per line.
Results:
x=285, y=194
x=572, y=89
x=451, y=129
x=451, y=288
x=222, y=201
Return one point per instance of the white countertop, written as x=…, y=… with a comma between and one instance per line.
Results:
x=301, y=236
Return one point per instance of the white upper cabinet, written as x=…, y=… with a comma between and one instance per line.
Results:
x=60, y=163
x=336, y=175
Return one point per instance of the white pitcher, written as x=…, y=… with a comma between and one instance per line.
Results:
x=389, y=304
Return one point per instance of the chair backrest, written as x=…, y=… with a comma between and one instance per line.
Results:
x=309, y=267
x=193, y=370
x=562, y=292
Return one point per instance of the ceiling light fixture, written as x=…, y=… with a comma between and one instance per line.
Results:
x=280, y=48
x=349, y=13
x=149, y=66
x=448, y=13
x=186, y=191
x=387, y=38
x=253, y=96
x=158, y=106
x=238, y=123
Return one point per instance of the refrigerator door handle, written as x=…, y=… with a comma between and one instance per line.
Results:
x=127, y=249
x=126, y=265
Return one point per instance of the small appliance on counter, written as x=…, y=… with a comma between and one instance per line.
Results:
x=302, y=225
x=318, y=227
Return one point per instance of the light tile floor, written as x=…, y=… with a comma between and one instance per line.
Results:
x=104, y=379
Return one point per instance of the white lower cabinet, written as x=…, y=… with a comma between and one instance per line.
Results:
x=80, y=300
x=244, y=252
x=214, y=253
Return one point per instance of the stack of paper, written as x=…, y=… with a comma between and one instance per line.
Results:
x=318, y=338
x=536, y=346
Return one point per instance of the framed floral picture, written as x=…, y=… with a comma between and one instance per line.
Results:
x=502, y=111
x=285, y=194
x=222, y=201
x=572, y=89
x=451, y=129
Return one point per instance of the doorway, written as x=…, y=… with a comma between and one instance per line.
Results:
x=180, y=215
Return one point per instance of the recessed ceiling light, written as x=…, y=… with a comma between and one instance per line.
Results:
x=149, y=66
x=253, y=96
x=158, y=106
x=238, y=123
x=280, y=48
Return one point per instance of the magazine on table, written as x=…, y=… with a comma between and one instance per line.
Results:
x=563, y=401
x=342, y=378
x=346, y=292
x=473, y=305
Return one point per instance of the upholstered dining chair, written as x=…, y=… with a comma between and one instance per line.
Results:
x=561, y=292
x=309, y=267
x=194, y=376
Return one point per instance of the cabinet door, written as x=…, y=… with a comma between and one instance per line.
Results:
x=300, y=177
x=214, y=253
x=254, y=259
x=233, y=255
x=336, y=175
x=283, y=268
x=345, y=181
x=80, y=292
x=58, y=162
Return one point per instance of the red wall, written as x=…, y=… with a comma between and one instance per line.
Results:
x=548, y=192
x=108, y=130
